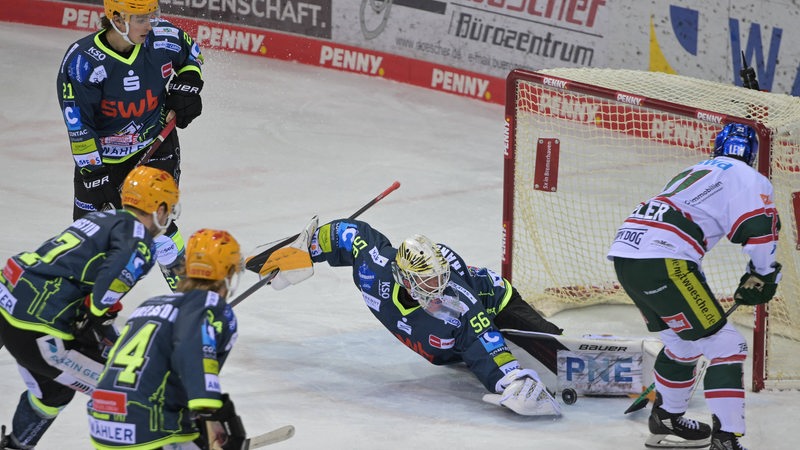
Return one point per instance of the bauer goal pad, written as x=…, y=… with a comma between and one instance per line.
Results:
x=585, y=146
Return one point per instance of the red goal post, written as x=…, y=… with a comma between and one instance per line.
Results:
x=585, y=146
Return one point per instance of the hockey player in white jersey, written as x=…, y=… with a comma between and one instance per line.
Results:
x=657, y=255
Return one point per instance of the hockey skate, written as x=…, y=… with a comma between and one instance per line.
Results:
x=5, y=440
x=675, y=431
x=723, y=440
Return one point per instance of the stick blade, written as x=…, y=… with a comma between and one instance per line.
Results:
x=271, y=437
x=637, y=405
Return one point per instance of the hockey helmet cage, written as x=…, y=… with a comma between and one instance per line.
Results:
x=420, y=267
x=127, y=8
x=212, y=255
x=146, y=188
x=737, y=141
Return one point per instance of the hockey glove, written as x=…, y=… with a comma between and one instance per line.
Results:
x=98, y=185
x=755, y=289
x=221, y=429
x=293, y=261
x=95, y=335
x=748, y=75
x=183, y=97
x=522, y=392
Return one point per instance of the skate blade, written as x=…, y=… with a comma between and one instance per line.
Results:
x=672, y=441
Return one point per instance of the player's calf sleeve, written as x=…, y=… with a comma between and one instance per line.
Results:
x=674, y=379
x=31, y=419
x=724, y=391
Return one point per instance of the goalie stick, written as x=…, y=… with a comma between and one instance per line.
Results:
x=643, y=398
x=256, y=262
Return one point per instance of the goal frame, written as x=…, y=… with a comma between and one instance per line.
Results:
x=759, y=352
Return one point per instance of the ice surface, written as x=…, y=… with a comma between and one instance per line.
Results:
x=277, y=143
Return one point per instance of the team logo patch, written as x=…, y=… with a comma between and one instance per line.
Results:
x=366, y=277
x=678, y=322
x=492, y=340
x=110, y=402
x=12, y=271
x=442, y=343
x=166, y=70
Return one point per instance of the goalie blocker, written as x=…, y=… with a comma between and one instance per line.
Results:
x=599, y=365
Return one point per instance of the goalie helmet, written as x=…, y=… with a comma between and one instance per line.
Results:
x=212, y=255
x=127, y=8
x=146, y=188
x=420, y=267
x=737, y=141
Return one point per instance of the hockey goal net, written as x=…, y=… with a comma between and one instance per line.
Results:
x=585, y=146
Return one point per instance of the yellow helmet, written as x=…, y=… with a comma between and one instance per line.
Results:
x=146, y=188
x=126, y=8
x=212, y=255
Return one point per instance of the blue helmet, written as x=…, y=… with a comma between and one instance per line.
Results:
x=737, y=141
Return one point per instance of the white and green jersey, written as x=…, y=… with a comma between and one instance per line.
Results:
x=716, y=198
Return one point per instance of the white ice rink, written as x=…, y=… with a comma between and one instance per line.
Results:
x=277, y=143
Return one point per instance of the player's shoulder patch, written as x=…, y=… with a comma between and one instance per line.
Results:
x=167, y=31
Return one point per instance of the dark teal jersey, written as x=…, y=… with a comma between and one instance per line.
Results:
x=472, y=339
x=165, y=364
x=103, y=254
x=113, y=105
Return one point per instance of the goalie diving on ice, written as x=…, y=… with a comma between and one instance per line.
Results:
x=438, y=306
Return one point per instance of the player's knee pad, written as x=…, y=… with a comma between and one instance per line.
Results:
x=727, y=343
x=678, y=358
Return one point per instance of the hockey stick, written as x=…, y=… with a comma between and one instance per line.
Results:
x=748, y=75
x=256, y=262
x=643, y=398
x=271, y=437
x=170, y=125
x=148, y=154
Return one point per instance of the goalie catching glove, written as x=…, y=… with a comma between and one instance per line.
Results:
x=292, y=262
x=523, y=393
x=756, y=289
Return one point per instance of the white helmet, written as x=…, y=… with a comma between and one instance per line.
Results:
x=420, y=267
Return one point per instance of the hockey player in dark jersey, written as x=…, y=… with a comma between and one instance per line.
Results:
x=58, y=303
x=161, y=386
x=439, y=307
x=116, y=88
